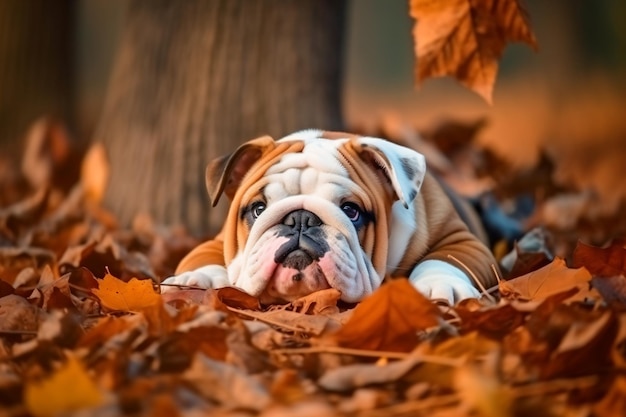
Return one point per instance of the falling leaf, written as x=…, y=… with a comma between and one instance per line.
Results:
x=390, y=319
x=601, y=262
x=133, y=295
x=68, y=389
x=553, y=278
x=465, y=39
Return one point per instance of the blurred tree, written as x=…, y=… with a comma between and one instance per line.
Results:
x=193, y=79
x=36, y=66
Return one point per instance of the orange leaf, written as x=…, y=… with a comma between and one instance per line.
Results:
x=465, y=39
x=389, y=319
x=552, y=279
x=133, y=295
x=68, y=389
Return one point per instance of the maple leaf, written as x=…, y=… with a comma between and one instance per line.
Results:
x=465, y=39
x=51, y=396
x=553, y=278
x=389, y=319
x=602, y=262
x=134, y=295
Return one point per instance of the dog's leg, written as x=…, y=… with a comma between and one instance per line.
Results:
x=202, y=267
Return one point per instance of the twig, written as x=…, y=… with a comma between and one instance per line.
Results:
x=268, y=321
x=474, y=277
x=438, y=360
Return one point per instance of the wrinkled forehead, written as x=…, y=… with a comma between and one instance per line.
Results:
x=318, y=154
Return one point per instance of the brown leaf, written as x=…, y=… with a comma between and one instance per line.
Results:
x=494, y=322
x=319, y=302
x=226, y=385
x=389, y=319
x=465, y=39
x=349, y=377
x=18, y=314
x=602, y=262
x=614, y=402
x=612, y=289
x=585, y=348
x=235, y=298
x=553, y=278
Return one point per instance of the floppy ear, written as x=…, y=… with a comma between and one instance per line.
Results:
x=224, y=174
x=402, y=167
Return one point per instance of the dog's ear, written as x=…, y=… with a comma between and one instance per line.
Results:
x=223, y=175
x=402, y=167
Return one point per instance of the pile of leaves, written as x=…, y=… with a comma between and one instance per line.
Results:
x=84, y=327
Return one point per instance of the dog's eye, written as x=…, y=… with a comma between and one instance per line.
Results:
x=352, y=211
x=257, y=209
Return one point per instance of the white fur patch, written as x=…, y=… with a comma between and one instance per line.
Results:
x=440, y=280
x=210, y=276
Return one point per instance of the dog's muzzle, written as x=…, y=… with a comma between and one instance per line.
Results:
x=306, y=241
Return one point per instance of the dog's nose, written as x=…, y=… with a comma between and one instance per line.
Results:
x=301, y=220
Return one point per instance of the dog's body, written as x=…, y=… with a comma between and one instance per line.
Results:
x=323, y=209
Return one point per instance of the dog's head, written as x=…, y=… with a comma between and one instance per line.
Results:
x=313, y=210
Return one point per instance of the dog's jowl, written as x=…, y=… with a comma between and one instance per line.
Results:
x=317, y=210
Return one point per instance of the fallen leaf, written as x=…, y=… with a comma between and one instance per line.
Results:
x=553, y=278
x=133, y=295
x=226, y=385
x=319, y=302
x=52, y=396
x=17, y=314
x=349, y=377
x=601, y=262
x=482, y=392
x=585, y=348
x=465, y=39
x=612, y=289
x=390, y=319
x=614, y=402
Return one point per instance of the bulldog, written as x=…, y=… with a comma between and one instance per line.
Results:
x=317, y=209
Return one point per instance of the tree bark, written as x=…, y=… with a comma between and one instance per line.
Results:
x=193, y=79
x=36, y=56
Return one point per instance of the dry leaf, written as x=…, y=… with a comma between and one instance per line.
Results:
x=585, y=348
x=68, y=389
x=226, y=385
x=553, y=278
x=390, y=319
x=134, y=295
x=319, y=302
x=601, y=262
x=349, y=377
x=465, y=39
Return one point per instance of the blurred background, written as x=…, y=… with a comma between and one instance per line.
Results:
x=571, y=90
x=568, y=99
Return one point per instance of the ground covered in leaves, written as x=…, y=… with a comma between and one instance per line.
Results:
x=84, y=328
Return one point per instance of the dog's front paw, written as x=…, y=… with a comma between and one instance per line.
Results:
x=210, y=276
x=439, y=280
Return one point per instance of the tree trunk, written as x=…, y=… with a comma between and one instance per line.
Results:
x=193, y=79
x=35, y=65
